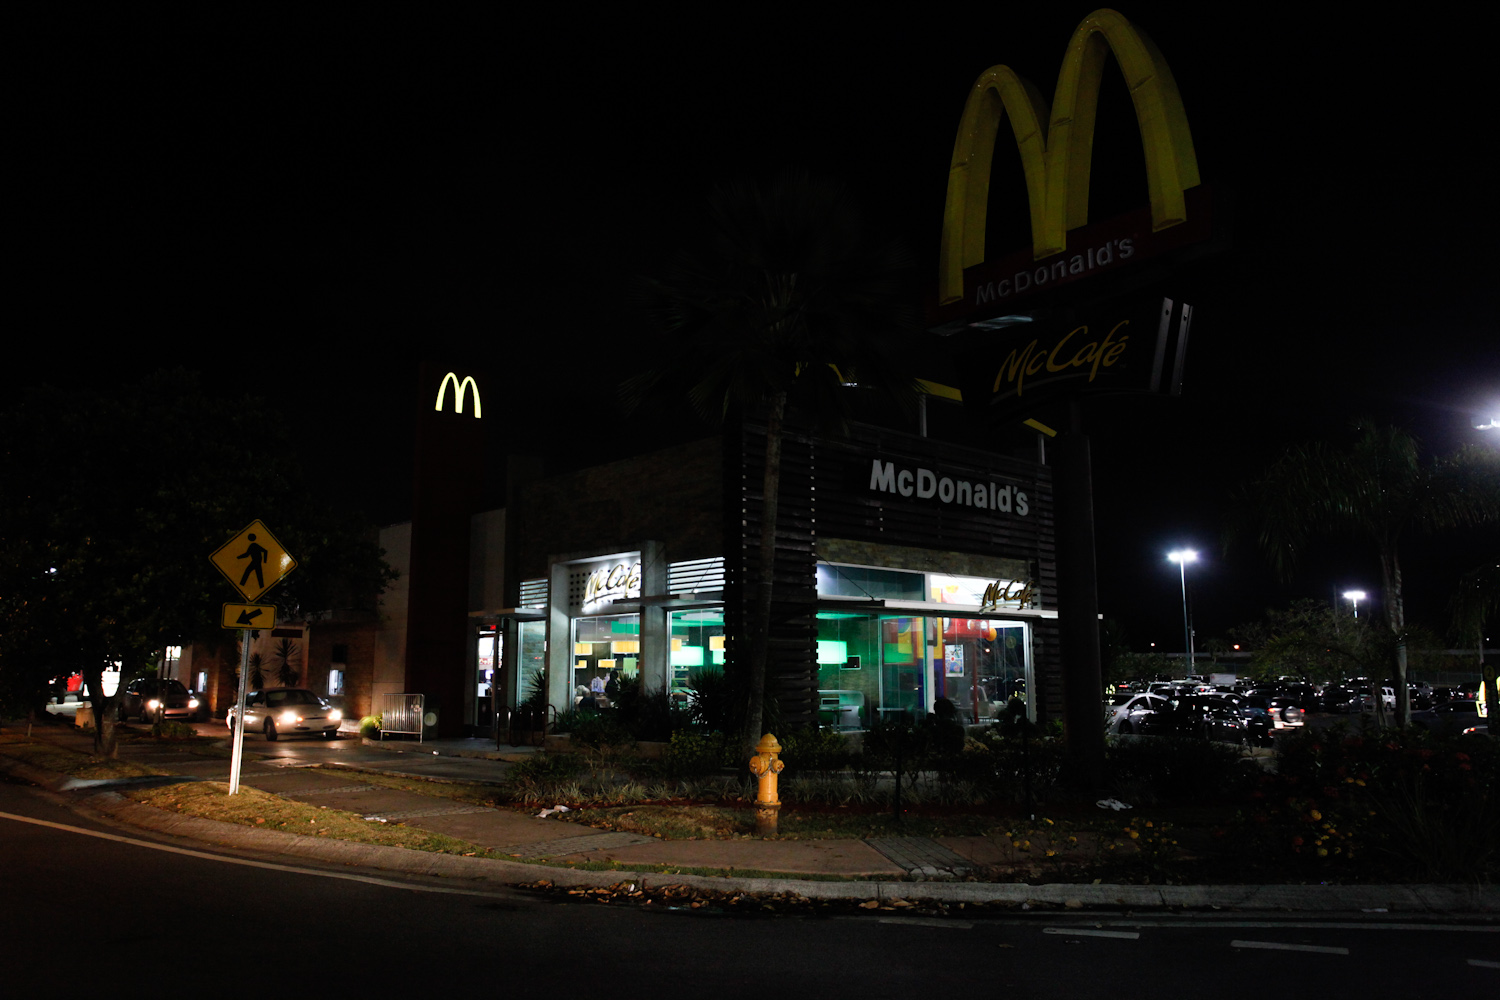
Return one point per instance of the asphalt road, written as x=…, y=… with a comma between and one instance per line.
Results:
x=80, y=892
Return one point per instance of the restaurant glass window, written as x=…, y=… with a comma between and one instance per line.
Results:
x=531, y=660
x=893, y=667
x=983, y=664
x=602, y=646
x=697, y=645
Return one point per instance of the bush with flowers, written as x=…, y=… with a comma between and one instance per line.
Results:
x=1406, y=802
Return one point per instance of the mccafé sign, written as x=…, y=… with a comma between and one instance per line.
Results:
x=615, y=582
x=1132, y=346
x=1056, y=151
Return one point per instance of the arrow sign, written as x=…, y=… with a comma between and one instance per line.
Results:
x=248, y=616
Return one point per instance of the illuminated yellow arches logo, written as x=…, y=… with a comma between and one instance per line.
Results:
x=460, y=389
x=1056, y=157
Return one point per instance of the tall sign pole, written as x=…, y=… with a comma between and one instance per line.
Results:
x=254, y=551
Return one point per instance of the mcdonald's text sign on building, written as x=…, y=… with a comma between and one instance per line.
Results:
x=1056, y=149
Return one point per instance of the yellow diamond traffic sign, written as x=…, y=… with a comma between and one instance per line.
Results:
x=249, y=616
x=253, y=561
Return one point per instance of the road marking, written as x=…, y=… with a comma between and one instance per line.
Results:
x=1278, y=946
x=1207, y=920
x=1070, y=932
x=962, y=925
x=244, y=862
x=1484, y=963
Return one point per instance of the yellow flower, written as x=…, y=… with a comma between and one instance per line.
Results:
x=1051, y=854
x=1322, y=852
x=1315, y=814
x=1134, y=835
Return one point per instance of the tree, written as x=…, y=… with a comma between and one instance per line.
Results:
x=1475, y=606
x=1311, y=640
x=110, y=504
x=783, y=300
x=1377, y=487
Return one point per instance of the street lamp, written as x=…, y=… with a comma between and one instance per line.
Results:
x=1354, y=597
x=1182, y=557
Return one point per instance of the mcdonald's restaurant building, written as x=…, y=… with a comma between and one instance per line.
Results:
x=908, y=569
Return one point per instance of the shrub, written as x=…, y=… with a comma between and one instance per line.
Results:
x=713, y=702
x=600, y=733
x=809, y=748
x=692, y=755
x=1171, y=769
x=369, y=726
x=1430, y=804
x=173, y=731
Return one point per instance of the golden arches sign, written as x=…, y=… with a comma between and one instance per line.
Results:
x=460, y=389
x=1056, y=158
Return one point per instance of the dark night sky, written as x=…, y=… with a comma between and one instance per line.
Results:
x=306, y=210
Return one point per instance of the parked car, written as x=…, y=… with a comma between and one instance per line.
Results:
x=148, y=699
x=1205, y=718
x=278, y=712
x=1283, y=711
x=1127, y=711
x=1449, y=717
x=66, y=704
x=1337, y=698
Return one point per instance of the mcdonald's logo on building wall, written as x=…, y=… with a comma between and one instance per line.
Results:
x=1056, y=150
x=460, y=391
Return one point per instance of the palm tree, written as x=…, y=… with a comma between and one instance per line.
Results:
x=284, y=653
x=785, y=300
x=1378, y=488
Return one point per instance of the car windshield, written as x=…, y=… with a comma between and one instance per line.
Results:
x=291, y=697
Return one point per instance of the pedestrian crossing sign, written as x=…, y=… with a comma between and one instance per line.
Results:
x=253, y=561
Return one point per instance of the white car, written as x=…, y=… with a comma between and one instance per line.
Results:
x=1126, y=711
x=278, y=712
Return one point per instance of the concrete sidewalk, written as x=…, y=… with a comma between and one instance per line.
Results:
x=874, y=868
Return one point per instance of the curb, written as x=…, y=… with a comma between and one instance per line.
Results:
x=1427, y=899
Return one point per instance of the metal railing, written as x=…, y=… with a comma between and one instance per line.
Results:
x=402, y=714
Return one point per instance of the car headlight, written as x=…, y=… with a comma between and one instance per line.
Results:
x=192, y=703
x=153, y=704
x=289, y=718
x=335, y=715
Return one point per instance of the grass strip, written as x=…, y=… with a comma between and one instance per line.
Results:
x=255, y=808
x=723, y=822
x=74, y=764
x=459, y=791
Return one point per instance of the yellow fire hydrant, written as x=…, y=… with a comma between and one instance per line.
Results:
x=766, y=765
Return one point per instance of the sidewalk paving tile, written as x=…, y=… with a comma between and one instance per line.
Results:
x=810, y=857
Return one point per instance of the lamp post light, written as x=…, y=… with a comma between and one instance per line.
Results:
x=1182, y=557
x=1354, y=597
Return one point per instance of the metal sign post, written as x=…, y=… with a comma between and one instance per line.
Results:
x=237, y=734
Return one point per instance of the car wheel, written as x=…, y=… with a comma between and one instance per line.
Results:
x=330, y=734
x=270, y=731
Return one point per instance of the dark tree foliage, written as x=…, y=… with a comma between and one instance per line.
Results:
x=110, y=505
x=783, y=298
